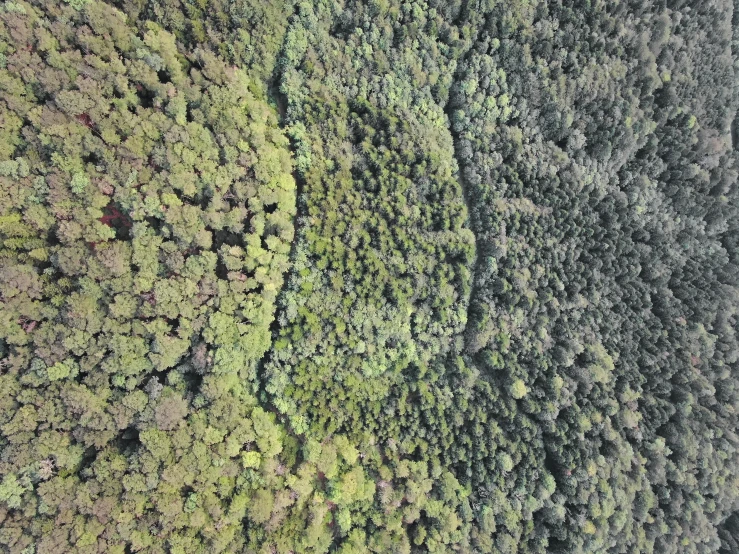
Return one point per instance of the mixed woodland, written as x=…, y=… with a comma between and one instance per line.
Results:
x=382, y=276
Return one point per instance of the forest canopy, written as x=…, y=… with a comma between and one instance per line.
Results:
x=385, y=276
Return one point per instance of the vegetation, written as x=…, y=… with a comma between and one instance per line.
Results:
x=385, y=276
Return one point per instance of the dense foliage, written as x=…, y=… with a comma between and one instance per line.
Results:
x=384, y=276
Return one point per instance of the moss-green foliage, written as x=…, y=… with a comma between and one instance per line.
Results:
x=381, y=271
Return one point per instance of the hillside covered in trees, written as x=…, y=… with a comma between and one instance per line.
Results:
x=382, y=276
